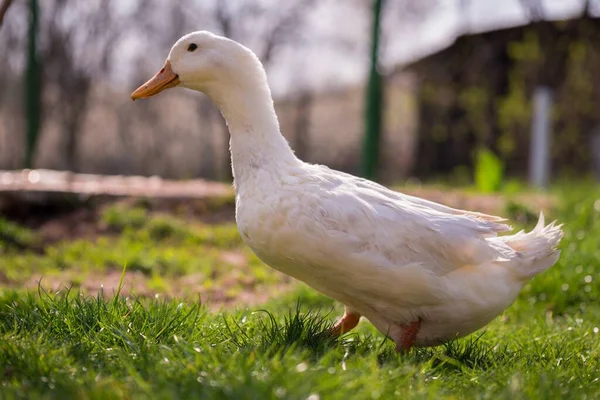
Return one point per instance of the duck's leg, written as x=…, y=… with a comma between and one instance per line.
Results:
x=346, y=323
x=406, y=336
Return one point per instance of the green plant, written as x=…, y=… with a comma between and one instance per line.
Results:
x=15, y=237
x=489, y=171
x=119, y=217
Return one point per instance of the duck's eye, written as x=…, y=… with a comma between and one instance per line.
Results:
x=192, y=47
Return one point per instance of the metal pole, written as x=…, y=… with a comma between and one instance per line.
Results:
x=33, y=102
x=539, y=151
x=373, y=101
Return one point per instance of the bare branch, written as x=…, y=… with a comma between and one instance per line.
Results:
x=4, y=8
x=285, y=28
x=533, y=9
x=223, y=17
x=587, y=8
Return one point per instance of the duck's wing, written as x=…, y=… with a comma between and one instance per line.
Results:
x=417, y=201
x=376, y=223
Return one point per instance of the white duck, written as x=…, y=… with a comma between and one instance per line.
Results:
x=421, y=272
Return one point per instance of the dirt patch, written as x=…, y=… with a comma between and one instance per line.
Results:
x=233, y=258
x=84, y=221
x=138, y=284
x=90, y=283
x=81, y=223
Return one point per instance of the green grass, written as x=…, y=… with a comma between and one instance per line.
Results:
x=162, y=247
x=15, y=237
x=70, y=345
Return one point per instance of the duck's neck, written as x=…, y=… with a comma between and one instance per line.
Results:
x=256, y=143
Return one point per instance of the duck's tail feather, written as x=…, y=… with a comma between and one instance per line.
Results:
x=537, y=249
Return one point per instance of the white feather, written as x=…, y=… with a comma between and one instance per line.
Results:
x=392, y=257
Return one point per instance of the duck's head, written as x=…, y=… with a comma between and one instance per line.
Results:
x=205, y=62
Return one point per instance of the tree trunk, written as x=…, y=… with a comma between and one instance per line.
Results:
x=71, y=128
x=4, y=8
x=302, y=126
x=74, y=117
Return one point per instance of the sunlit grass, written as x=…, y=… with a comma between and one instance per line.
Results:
x=160, y=246
x=70, y=345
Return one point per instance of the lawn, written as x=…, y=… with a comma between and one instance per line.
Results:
x=196, y=315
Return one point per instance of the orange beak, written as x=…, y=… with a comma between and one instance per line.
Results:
x=164, y=79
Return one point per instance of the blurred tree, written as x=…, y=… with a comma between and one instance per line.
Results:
x=464, y=7
x=13, y=61
x=3, y=9
x=262, y=25
x=265, y=26
x=478, y=92
x=33, y=85
x=79, y=45
x=533, y=9
x=302, y=124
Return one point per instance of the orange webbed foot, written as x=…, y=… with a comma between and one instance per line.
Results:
x=407, y=336
x=346, y=323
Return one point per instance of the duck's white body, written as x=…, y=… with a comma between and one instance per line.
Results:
x=390, y=257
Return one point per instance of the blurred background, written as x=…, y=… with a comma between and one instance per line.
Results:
x=476, y=104
x=389, y=89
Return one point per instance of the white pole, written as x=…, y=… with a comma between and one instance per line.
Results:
x=539, y=151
